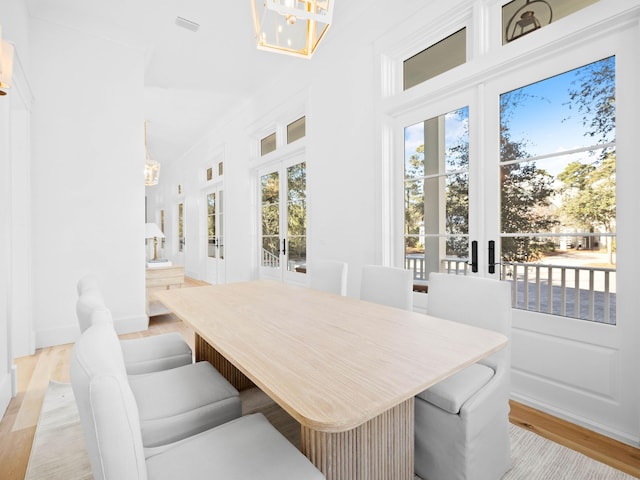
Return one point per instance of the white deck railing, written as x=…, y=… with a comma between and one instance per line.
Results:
x=587, y=293
x=269, y=259
x=417, y=265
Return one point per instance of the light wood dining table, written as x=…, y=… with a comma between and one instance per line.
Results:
x=347, y=370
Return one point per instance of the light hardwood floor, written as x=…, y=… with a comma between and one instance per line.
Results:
x=17, y=427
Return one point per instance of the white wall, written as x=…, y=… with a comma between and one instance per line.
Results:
x=15, y=290
x=87, y=178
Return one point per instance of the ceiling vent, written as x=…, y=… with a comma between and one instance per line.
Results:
x=188, y=24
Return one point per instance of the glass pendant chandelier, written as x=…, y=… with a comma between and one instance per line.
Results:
x=292, y=27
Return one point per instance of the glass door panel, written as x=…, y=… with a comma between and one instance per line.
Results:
x=436, y=194
x=283, y=221
x=558, y=193
x=297, y=217
x=270, y=220
x=215, y=265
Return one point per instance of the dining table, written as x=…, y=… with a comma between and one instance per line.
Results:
x=345, y=369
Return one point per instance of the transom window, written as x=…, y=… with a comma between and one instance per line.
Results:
x=438, y=58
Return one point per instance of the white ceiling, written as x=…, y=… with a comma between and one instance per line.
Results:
x=190, y=78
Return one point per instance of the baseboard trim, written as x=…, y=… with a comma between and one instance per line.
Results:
x=5, y=393
x=70, y=333
x=57, y=336
x=605, y=430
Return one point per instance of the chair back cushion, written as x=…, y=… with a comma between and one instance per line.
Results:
x=481, y=302
x=86, y=283
x=107, y=408
x=476, y=301
x=85, y=305
x=329, y=276
x=388, y=286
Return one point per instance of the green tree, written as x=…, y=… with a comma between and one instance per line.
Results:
x=589, y=189
x=526, y=194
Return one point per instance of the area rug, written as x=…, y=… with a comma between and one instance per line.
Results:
x=59, y=451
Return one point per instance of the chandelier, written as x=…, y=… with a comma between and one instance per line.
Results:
x=292, y=27
x=6, y=64
x=151, y=167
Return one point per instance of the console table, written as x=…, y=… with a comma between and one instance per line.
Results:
x=162, y=278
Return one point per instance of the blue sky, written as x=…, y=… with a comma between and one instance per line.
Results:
x=543, y=120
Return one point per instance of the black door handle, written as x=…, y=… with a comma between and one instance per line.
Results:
x=492, y=256
x=474, y=256
x=284, y=246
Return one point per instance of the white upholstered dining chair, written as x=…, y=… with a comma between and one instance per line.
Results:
x=387, y=285
x=462, y=423
x=245, y=448
x=329, y=276
x=141, y=355
x=172, y=404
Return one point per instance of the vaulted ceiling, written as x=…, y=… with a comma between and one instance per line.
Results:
x=191, y=78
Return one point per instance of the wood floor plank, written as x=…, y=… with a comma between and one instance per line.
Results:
x=34, y=395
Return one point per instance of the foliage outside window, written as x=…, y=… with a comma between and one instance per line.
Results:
x=297, y=216
x=215, y=222
x=270, y=219
x=436, y=188
x=211, y=226
x=293, y=244
x=180, y=227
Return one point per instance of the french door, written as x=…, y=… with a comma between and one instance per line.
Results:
x=283, y=221
x=505, y=181
x=215, y=270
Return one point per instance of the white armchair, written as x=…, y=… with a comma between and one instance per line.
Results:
x=462, y=423
x=172, y=404
x=141, y=355
x=245, y=448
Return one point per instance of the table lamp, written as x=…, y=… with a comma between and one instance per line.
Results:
x=153, y=231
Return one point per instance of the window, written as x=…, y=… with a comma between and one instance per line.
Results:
x=163, y=240
x=558, y=193
x=437, y=59
x=296, y=130
x=270, y=215
x=215, y=223
x=283, y=217
x=209, y=174
x=297, y=216
x=268, y=144
x=436, y=194
x=181, y=227
x=521, y=17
